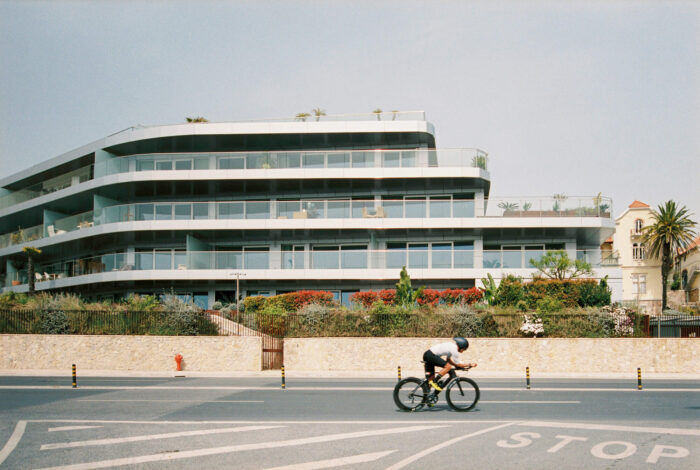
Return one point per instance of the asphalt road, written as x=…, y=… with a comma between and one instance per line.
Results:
x=251, y=423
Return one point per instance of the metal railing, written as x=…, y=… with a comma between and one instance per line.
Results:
x=342, y=257
x=554, y=206
x=310, y=159
x=332, y=323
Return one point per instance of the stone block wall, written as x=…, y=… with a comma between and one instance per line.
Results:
x=137, y=353
x=546, y=355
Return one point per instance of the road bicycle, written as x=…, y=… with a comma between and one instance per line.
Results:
x=412, y=394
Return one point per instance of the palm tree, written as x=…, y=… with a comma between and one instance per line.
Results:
x=672, y=230
x=31, y=253
x=318, y=112
x=378, y=112
x=302, y=116
x=197, y=119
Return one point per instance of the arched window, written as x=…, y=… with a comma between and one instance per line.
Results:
x=638, y=251
x=638, y=224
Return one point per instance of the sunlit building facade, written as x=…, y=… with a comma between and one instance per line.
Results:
x=340, y=203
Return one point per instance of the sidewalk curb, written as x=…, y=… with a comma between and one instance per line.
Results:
x=632, y=375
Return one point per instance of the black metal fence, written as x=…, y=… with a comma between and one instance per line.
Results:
x=102, y=322
x=338, y=323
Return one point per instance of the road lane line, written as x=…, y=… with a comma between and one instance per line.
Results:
x=612, y=427
x=442, y=445
x=13, y=440
x=288, y=422
x=189, y=401
x=72, y=428
x=150, y=437
x=238, y=448
x=332, y=463
x=292, y=387
x=536, y=402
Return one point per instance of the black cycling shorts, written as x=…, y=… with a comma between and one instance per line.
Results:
x=431, y=360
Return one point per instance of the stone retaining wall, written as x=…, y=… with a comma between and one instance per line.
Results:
x=234, y=353
x=135, y=353
x=565, y=355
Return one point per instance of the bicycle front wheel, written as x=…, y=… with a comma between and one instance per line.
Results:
x=462, y=394
x=410, y=394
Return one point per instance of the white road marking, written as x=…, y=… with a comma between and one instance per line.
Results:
x=631, y=389
x=150, y=437
x=611, y=427
x=238, y=448
x=189, y=401
x=72, y=428
x=396, y=421
x=528, y=402
x=332, y=463
x=425, y=452
x=13, y=440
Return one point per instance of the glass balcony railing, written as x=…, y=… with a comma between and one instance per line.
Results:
x=555, y=206
x=415, y=207
x=46, y=187
x=337, y=159
x=437, y=255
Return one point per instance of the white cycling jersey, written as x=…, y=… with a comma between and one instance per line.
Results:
x=449, y=350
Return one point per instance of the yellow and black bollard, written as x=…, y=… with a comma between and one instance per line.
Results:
x=283, y=384
x=399, y=373
x=527, y=376
x=75, y=380
x=639, y=378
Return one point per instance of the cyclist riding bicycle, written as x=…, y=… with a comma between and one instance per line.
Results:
x=433, y=357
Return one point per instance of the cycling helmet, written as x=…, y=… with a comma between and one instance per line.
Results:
x=462, y=343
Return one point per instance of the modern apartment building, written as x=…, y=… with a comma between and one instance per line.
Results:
x=338, y=203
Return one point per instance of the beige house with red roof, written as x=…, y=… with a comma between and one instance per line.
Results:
x=688, y=265
x=641, y=276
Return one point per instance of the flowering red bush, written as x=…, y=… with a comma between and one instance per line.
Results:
x=366, y=299
x=388, y=296
x=473, y=295
x=304, y=297
x=458, y=296
x=429, y=297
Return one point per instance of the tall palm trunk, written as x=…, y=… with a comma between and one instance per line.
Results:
x=666, y=265
x=30, y=273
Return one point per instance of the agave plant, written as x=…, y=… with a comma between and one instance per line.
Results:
x=318, y=112
x=508, y=206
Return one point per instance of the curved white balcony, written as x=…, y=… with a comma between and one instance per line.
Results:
x=435, y=261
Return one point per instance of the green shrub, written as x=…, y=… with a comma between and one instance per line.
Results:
x=548, y=305
x=522, y=306
x=53, y=322
x=510, y=291
x=254, y=304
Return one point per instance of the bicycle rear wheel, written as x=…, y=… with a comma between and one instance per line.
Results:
x=462, y=394
x=409, y=395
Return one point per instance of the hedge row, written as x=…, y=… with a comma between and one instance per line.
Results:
x=426, y=297
x=512, y=291
x=287, y=303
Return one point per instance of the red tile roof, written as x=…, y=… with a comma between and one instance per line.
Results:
x=693, y=244
x=637, y=205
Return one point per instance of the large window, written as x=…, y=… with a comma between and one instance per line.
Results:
x=436, y=255
x=339, y=256
x=638, y=225
x=292, y=256
x=638, y=251
x=639, y=284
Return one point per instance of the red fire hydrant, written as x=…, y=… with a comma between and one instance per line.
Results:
x=178, y=361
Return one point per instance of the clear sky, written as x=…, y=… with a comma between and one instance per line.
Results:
x=566, y=97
